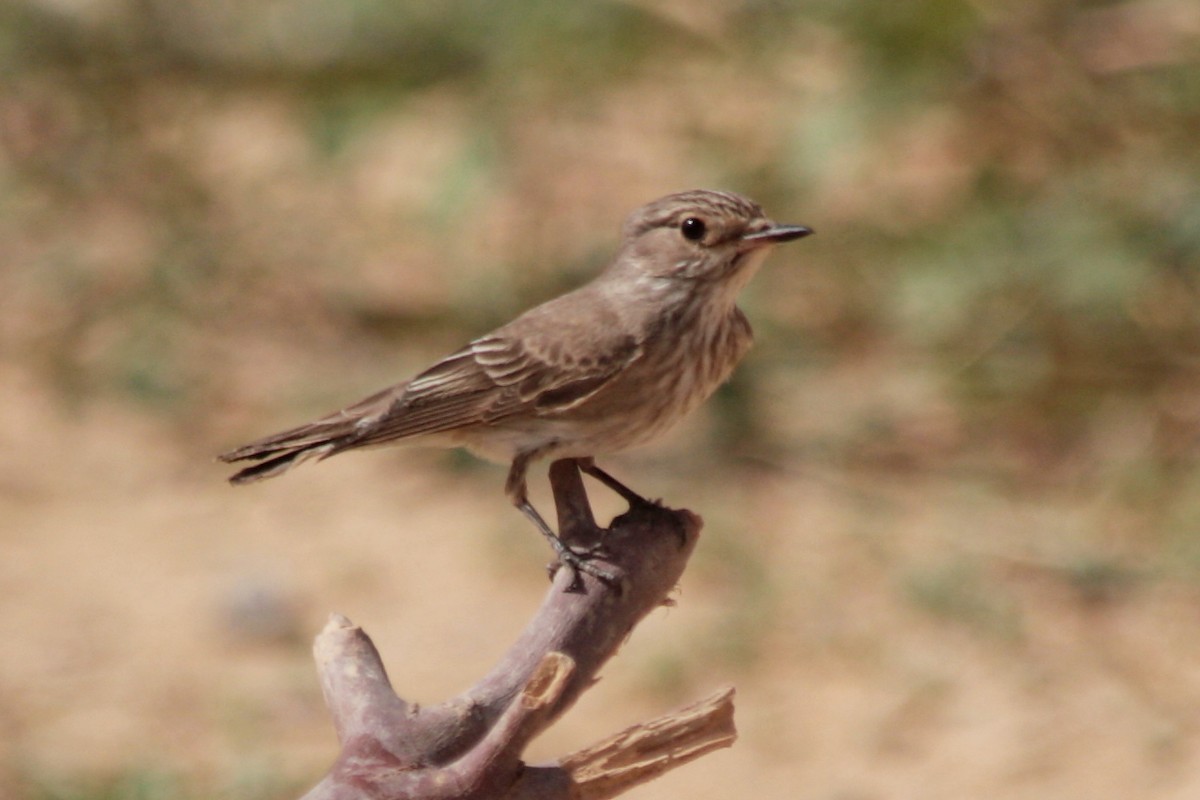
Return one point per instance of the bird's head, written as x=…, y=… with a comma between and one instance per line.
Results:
x=701, y=236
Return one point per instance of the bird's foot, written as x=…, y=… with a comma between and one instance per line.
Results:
x=581, y=559
x=578, y=558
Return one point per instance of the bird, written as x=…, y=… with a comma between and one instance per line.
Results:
x=607, y=366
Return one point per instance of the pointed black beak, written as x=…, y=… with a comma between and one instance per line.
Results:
x=777, y=234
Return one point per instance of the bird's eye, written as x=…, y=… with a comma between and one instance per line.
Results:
x=693, y=229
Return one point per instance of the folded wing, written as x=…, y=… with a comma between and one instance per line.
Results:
x=490, y=380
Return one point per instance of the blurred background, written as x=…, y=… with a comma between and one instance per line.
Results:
x=952, y=499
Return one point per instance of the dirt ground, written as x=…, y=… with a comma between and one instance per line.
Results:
x=157, y=621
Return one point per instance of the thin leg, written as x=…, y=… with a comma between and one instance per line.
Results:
x=517, y=491
x=588, y=465
x=635, y=500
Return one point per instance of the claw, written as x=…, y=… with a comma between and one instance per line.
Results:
x=580, y=563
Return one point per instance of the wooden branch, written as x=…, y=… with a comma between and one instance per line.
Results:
x=644, y=751
x=469, y=747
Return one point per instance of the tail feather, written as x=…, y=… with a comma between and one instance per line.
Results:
x=277, y=462
x=280, y=452
x=312, y=435
x=318, y=439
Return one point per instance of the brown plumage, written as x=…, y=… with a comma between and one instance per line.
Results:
x=597, y=370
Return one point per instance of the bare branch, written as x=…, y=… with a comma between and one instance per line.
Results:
x=469, y=747
x=636, y=755
x=649, y=749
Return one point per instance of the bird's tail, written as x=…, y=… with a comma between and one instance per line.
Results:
x=319, y=439
x=279, y=453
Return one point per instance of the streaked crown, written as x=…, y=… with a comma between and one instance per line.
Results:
x=722, y=211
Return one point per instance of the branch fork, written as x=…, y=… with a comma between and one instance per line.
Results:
x=469, y=747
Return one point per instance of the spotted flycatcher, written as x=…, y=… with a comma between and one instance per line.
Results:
x=602, y=368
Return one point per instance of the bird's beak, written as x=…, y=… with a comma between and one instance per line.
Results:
x=776, y=234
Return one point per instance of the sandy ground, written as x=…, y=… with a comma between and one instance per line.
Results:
x=903, y=645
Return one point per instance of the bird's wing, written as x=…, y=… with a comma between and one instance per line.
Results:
x=499, y=376
x=549, y=359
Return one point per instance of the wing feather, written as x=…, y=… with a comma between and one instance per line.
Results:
x=489, y=380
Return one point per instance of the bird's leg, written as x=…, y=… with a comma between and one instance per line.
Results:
x=517, y=491
x=634, y=499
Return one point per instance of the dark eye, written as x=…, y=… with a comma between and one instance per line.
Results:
x=693, y=229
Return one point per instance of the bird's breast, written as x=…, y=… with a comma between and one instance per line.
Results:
x=684, y=360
